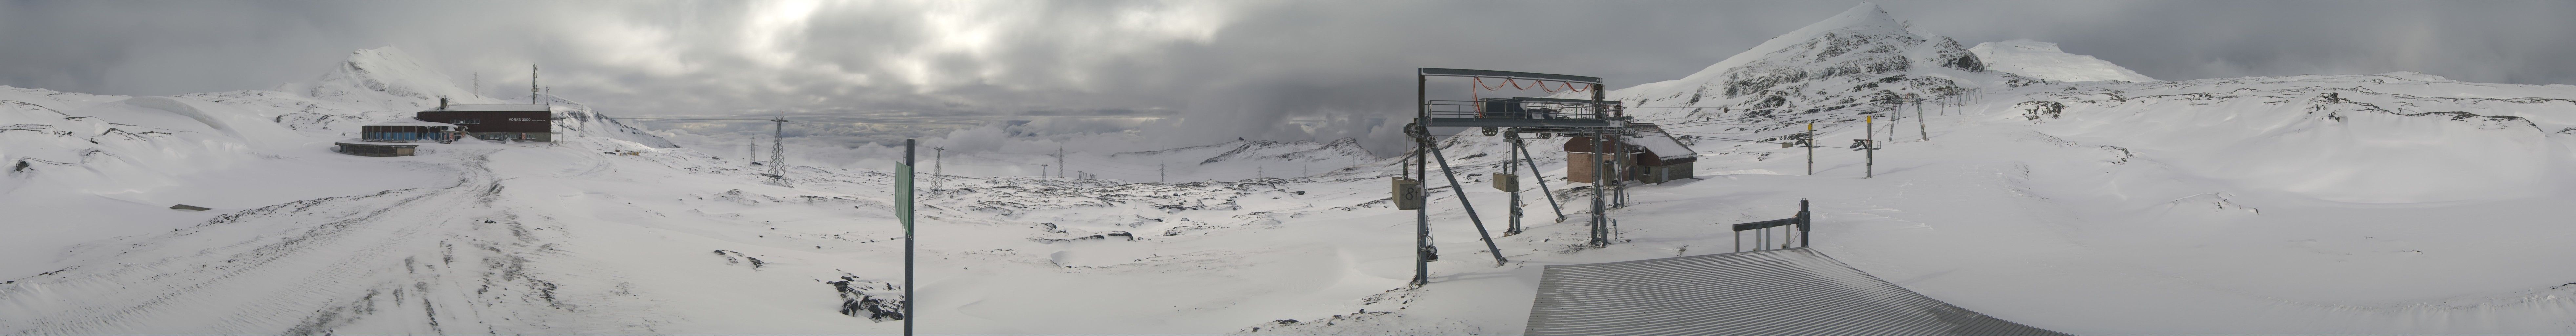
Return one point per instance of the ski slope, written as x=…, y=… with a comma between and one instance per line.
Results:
x=2344, y=204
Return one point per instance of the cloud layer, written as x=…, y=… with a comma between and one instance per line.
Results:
x=1171, y=73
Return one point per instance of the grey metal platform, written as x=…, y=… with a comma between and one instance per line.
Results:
x=1795, y=291
x=1498, y=122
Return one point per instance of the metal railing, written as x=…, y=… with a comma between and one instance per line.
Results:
x=1762, y=238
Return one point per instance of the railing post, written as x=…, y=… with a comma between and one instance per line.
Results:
x=1804, y=230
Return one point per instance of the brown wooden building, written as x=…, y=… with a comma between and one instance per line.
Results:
x=1653, y=157
x=496, y=122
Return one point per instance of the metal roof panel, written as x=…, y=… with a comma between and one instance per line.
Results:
x=1795, y=291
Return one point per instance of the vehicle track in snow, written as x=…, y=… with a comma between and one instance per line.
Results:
x=339, y=257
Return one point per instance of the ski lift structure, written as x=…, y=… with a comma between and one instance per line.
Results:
x=1509, y=118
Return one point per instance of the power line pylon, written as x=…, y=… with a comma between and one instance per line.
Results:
x=778, y=153
x=935, y=177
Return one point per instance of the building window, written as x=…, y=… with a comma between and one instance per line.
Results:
x=468, y=121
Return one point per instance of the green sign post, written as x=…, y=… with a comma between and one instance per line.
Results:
x=903, y=212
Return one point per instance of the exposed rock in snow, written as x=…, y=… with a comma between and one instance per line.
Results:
x=2209, y=202
x=876, y=300
x=2043, y=60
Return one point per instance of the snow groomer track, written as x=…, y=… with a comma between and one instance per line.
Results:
x=1795, y=291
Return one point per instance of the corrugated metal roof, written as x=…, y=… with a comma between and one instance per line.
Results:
x=1778, y=292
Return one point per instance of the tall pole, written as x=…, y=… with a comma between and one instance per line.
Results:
x=532, y=84
x=1600, y=172
x=1421, y=214
x=1619, y=163
x=903, y=194
x=1601, y=177
x=1869, y=145
x=1811, y=148
x=1508, y=169
x=1894, y=113
x=1919, y=128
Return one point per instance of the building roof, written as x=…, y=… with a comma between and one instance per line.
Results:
x=1664, y=145
x=1797, y=291
x=409, y=122
x=494, y=107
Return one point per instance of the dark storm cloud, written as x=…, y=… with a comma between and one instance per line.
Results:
x=1183, y=72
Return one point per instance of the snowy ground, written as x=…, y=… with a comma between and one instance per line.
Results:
x=2397, y=203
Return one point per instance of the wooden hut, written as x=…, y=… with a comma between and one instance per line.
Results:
x=1651, y=156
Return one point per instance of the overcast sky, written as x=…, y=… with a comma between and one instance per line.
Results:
x=1192, y=71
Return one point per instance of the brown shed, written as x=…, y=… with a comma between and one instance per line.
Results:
x=1652, y=157
x=497, y=121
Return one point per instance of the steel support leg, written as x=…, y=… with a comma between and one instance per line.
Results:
x=1471, y=207
x=1532, y=163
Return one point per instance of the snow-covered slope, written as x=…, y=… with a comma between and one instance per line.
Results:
x=2043, y=60
x=2351, y=204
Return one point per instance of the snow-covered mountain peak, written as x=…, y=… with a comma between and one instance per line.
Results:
x=386, y=77
x=1856, y=60
x=2044, y=60
x=1866, y=16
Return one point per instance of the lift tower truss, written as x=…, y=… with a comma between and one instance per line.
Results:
x=1545, y=117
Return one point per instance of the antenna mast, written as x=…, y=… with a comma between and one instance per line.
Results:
x=532, y=84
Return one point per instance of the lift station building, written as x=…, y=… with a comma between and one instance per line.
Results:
x=496, y=122
x=397, y=138
x=1648, y=156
